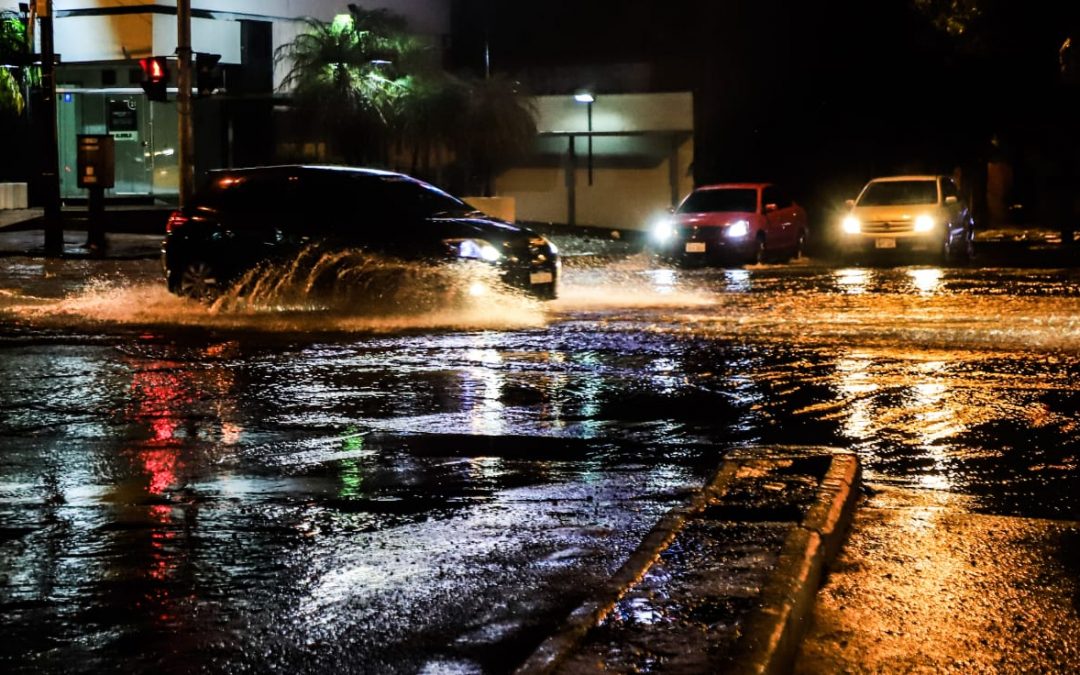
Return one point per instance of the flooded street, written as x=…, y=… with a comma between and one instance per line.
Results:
x=285, y=484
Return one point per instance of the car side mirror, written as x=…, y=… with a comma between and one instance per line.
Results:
x=770, y=207
x=850, y=203
x=950, y=200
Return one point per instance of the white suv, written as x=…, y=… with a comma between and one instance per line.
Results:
x=909, y=213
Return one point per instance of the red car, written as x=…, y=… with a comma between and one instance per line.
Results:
x=744, y=222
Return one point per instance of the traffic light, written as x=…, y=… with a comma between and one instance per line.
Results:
x=207, y=73
x=155, y=77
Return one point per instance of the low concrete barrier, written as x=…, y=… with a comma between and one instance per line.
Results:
x=13, y=196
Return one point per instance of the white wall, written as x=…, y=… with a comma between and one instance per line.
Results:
x=425, y=16
x=134, y=36
x=108, y=38
x=621, y=198
x=628, y=199
x=617, y=112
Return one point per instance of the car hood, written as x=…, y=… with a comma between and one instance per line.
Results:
x=902, y=213
x=712, y=219
x=481, y=228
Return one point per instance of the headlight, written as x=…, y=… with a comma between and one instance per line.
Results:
x=663, y=230
x=852, y=225
x=740, y=228
x=924, y=224
x=474, y=249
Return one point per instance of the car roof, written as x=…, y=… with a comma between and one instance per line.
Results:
x=893, y=179
x=732, y=186
x=312, y=168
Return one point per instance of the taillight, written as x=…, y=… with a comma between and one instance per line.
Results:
x=176, y=219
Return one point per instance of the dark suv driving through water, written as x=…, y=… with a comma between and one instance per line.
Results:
x=244, y=218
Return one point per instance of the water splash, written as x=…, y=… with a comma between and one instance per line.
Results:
x=345, y=291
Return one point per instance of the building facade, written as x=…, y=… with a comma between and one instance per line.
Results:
x=100, y=43
x=638, y=163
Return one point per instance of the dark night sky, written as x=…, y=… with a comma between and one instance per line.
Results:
x=822, y=94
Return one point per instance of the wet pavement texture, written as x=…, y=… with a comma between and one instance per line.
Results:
x=688, y=611
x=278, y=484
x=925, y=585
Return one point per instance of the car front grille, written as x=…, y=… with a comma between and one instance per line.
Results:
x=887, y=227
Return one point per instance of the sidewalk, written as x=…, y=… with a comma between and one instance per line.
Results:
x=722, y=584
x=926, y=585
x=121, y=246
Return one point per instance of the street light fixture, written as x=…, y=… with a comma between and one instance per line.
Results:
x=587, y=98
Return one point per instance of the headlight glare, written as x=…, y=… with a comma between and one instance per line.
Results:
x=739, y=228
x=663, y=230
x=852, y=225
x=473, y=249
x=924, y=224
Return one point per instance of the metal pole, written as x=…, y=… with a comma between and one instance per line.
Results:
x=185, y=131
x=590, y=142
x=571, y=182
x=50, y=173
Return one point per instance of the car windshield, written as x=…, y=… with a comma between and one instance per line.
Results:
x=423, y=200
x=720, y=200
x=899, y=192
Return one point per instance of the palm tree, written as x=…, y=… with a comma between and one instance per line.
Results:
x=344, y=74
x=13, y=50
x=384, y=99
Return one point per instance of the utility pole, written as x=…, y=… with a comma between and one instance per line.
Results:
x=50, y=172
x=186, y=131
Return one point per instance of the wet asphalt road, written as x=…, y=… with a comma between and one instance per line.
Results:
x=266, y=485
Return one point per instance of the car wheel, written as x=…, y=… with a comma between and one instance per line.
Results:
x=197, y=279
x=969, y=245
x=799, y=250
x=945, y=251
x=758, y=255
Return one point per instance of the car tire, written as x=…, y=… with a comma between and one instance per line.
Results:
x=969, y=245
x=945, y=251
x=758, y=255
x=197, y=279
x=798, y=252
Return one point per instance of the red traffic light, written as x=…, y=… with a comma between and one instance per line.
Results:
x=155, y=77
x=155, y=69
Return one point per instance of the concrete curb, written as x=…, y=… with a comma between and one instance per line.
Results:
x=553, y=651
x=773, y=632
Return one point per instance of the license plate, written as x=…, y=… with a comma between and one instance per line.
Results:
x=695, y=247
x=885, y=242
x=541, y=278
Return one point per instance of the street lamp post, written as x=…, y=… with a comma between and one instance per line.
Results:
x=54, y=227
x=185, y=127
x=588, y=99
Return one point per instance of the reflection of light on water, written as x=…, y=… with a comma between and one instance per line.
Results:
x=485, y=469
x=482, y=390
x=853, y=280
x=855, y=382
x=667, y=378
x=937, y=416
x=926, y=280
x=737, y=280
x=160, y=465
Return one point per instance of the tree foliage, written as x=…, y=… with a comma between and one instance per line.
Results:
x=13, y=52
x=380, y=96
